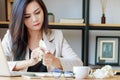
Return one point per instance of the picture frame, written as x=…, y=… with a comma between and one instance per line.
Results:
x=9, y=4
x=107, y=50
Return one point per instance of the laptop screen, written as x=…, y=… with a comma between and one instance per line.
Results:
x=4, y=68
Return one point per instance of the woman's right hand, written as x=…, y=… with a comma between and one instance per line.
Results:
x=34, y=56
x=21, y=65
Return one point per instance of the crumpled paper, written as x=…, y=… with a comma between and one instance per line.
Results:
x=104, y=72
x=42, y=45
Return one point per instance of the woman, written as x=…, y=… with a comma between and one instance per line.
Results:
x=29, y=25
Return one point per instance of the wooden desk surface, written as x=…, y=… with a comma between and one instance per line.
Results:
x=21, y=78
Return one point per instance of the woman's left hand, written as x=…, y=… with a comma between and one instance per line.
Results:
x=50, y=60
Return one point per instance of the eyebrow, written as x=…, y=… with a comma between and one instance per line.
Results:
x=33, y=12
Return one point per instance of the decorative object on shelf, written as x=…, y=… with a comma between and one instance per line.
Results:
x=107, y=50
x=103, y=19
x=51, y=17
x=103, y=6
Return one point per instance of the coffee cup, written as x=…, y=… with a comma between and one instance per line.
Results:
x=81, y=72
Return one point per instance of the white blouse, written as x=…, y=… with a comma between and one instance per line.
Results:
x=56, y=44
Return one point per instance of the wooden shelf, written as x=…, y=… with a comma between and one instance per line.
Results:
x=105, y=25
x=67, y=24
x=4, y=22
x=54, y=24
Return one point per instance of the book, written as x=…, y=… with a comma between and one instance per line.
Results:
x=71, y=20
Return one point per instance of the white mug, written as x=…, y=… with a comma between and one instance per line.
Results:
x=81, y=72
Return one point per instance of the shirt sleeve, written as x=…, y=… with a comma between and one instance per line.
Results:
x=69, y=57
x=7, y=44
x=66, y=55
x=11, y=65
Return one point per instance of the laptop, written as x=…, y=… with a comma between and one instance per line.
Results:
x=4, y=68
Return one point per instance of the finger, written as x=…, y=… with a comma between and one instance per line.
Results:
x=35, y=57
x=45, y=50
x=46, y=63
x=35, y=49
x=35, y=54
x=38, y=51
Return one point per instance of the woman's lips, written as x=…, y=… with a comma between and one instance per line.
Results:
x=36, y=24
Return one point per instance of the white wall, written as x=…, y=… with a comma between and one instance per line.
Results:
x=74, y=38
x=64, y=8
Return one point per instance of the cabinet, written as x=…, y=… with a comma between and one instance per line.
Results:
x=86, y=27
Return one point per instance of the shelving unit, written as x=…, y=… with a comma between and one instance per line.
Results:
x=104, y=26
x=66, y=26
x=85, y=27
x=4, y=24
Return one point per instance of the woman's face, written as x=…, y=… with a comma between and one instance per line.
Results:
x=33, y=16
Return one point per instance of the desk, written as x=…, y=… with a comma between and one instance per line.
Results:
x=21, y=78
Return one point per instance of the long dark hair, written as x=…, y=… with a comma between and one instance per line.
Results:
x=18, y=30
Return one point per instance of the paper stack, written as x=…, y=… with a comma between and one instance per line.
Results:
x=71, y=20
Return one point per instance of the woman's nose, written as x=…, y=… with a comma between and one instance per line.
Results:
x=34, y=18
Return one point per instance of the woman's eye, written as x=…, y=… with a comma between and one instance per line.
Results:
x=27, y=16
x=38, y=12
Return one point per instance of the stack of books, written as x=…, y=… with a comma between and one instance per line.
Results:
x=71, y=20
